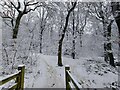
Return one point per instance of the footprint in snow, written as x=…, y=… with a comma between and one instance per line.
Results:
x=53, y=84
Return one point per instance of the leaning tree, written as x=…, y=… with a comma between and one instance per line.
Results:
x=63, y=35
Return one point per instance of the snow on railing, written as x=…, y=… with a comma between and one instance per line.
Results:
x=70, y=81
x=19, y=79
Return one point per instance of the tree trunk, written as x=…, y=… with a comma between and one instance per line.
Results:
x=41, y=38
x=31, y=40
x=60, y=53
x=73, y=34
x=108, y=54
x=105, y=40
x=63, y=35
x=16, y=28
x=109, y=45
x=118, y=25
x=77, y=26
x=73, y=51
x=80, y=40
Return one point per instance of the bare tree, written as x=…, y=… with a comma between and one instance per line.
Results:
x=31, y=26
x=43, y=14
x=81, y=20
x=73, y=33
x=102, y=13
x=10, y=9
x=78, y=22
x=63, y=35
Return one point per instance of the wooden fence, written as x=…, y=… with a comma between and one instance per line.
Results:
x=18, y=77
x=71, y=83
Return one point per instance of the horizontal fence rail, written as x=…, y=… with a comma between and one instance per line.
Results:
x=19, y=79
x=71, y=83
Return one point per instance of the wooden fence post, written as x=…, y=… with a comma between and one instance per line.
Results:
x=18, y=82
x=21, y=82
x=67, y=78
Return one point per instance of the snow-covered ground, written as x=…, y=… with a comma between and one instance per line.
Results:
x=89, y=72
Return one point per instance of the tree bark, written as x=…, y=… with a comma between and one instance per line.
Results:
x=73, y=34
x=41, y=38
x=108, y=54
x=63, y=35
x=109, y=45
x=105, y=40
x=16, y=28
x=118, y=25
x=73, y=42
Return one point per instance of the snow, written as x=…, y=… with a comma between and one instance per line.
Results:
x=67, y=66
x=46, y=74
x=42, y=71
x=21, y=65
x=89, y=72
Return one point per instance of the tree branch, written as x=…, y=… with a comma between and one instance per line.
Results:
x=17, y=8
x=31, y=9
x=30, y=4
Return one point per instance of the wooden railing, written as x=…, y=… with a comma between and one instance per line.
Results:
x=71, y=83
x=18, y=77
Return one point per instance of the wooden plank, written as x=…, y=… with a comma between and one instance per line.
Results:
x=77, y=85
x=71, y=85
x=7, y=79
x=14, y=86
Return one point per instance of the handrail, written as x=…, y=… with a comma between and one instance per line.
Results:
x=14, y=86
x=77, y=85
x=19, y=79
x=70, y=78
x=7, y=79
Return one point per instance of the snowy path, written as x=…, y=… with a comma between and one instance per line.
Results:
x=46, y=75
x=40, y=75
